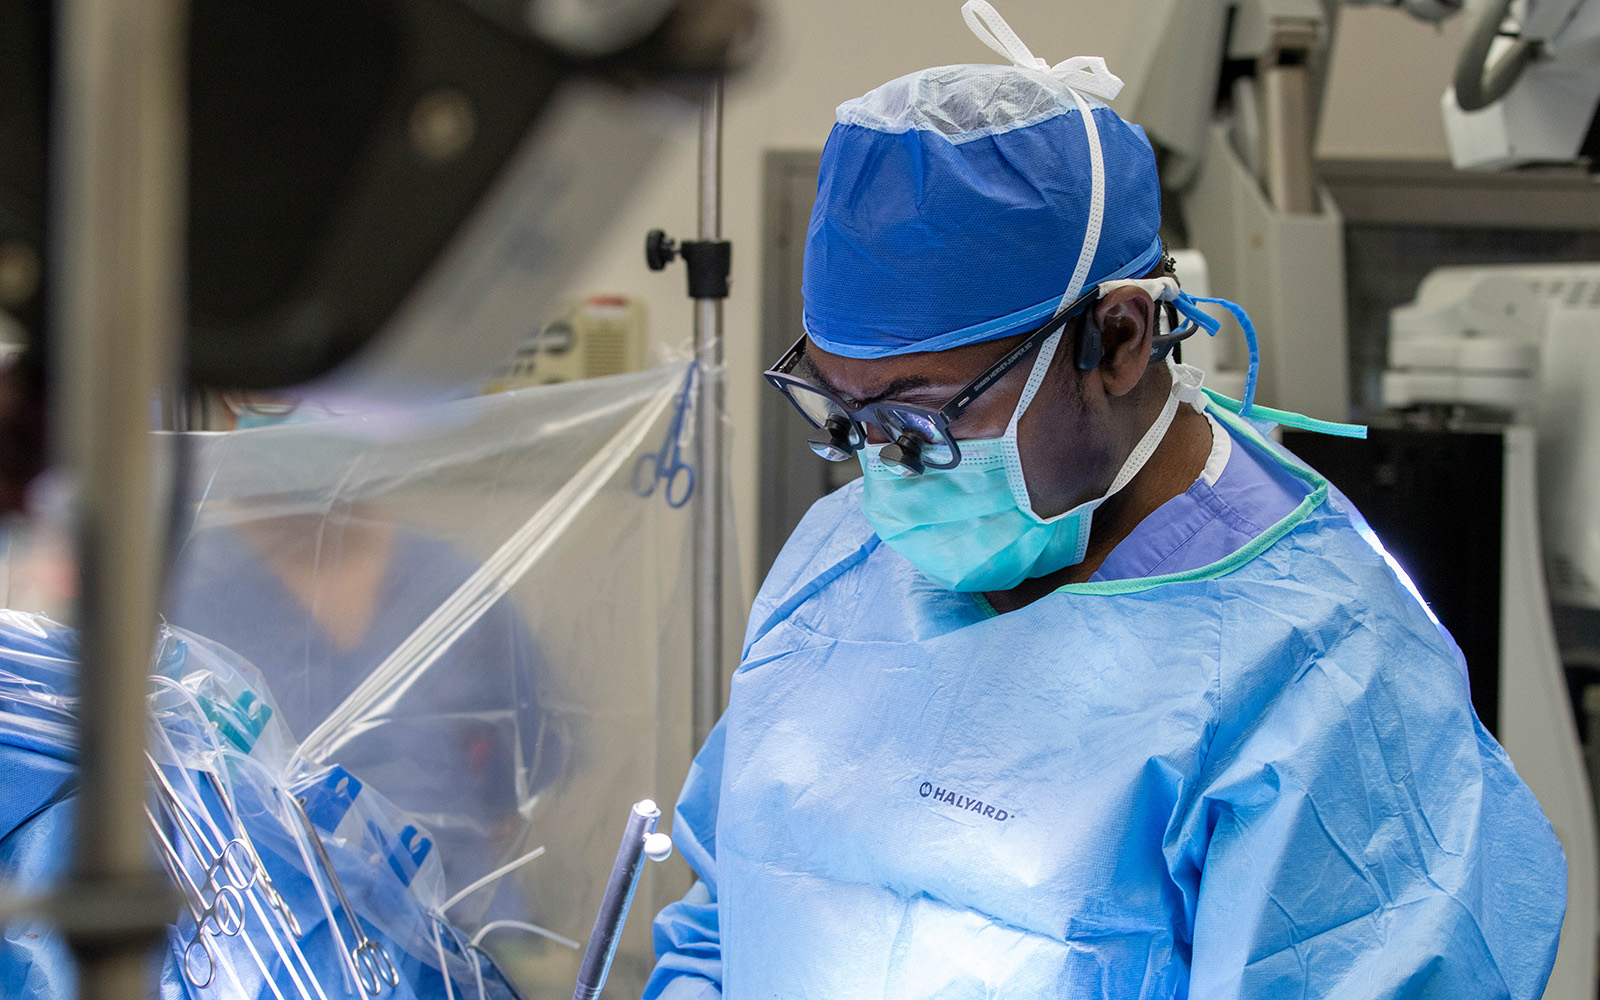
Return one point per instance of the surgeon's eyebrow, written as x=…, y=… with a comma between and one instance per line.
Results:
x=898, y=387
x=895, y=389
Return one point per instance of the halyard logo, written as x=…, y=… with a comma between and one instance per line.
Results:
x=965, y=803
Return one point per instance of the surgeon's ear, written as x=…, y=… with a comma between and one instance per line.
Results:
x=1127, y=327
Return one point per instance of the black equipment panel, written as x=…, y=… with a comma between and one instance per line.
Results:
x=1435, y=499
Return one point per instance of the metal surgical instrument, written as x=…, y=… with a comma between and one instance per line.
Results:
x=373, y=966
x=263, y=881
x=639, y=841
x=233, y=865
x=224, y=913
x=668, y=464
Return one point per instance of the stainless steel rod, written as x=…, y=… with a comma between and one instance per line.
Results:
x=618, y=898
x=119, y=179
x=708, y=443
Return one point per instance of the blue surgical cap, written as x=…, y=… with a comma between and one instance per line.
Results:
x=958, y=204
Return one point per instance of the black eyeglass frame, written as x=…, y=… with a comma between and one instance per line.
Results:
x=1088, y=356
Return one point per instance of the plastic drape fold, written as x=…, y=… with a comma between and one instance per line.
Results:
x=456, y=643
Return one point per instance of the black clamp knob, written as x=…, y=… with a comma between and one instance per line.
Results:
x=659, y=250
x=710, y=262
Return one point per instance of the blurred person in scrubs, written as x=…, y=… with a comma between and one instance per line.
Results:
x=1086, y=688
x=317, y=598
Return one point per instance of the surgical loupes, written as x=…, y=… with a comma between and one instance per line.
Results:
x=639, y=841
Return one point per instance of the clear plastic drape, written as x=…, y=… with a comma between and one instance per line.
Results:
x=482, y=611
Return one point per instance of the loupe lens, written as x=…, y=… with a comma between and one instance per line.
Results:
x=932, y=446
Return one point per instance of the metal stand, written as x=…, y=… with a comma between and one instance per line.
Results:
x=118, y=173
x=708, y=637
x=709, y=260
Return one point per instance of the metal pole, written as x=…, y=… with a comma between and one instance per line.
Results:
x=118, y=186
x=708, y=514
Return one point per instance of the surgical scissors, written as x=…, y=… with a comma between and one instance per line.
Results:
x=224, y=913
x=373, y=965
x=263, y=881
x=233, y=865
x=668, y=463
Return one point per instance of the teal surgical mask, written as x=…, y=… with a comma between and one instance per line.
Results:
x=973, y=528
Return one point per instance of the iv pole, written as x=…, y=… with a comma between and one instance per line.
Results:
x=709, y=259
x=118, y=175
x=708, y=515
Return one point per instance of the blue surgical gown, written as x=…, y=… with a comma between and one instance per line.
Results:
x=1263, y=780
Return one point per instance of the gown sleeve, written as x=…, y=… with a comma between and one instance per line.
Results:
x=687, y=937
x=1356, y=832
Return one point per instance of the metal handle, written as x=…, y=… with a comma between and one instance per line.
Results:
x=614, y=905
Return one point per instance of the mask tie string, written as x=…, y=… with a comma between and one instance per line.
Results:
x=993, y=31
x=1082, y=75
x=1188, y=306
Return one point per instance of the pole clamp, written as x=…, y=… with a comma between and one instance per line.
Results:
x=710, y=262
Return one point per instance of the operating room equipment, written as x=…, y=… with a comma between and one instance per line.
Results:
x=708, y=260
x=464, y=179
x=135, y=101
x=1231, y=94
x=667, y=465
x=262, y=879
x=639, y=841
x=224, y=914
x=1527, y=86
x=599, y=335
x=502, y=731
x=480, y=592
x=230, y=866
x=220, y=819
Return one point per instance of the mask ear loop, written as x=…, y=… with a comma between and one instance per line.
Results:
x=1041, y=365
x=1162, y=291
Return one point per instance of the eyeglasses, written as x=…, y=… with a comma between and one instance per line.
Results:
x=919, y=438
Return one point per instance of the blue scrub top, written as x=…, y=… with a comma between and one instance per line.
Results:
x=449, y=753
x=1239, y=495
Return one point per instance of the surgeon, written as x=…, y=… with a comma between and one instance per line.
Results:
x=1086, y=689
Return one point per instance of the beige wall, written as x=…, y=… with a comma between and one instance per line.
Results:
x=1388, y=75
